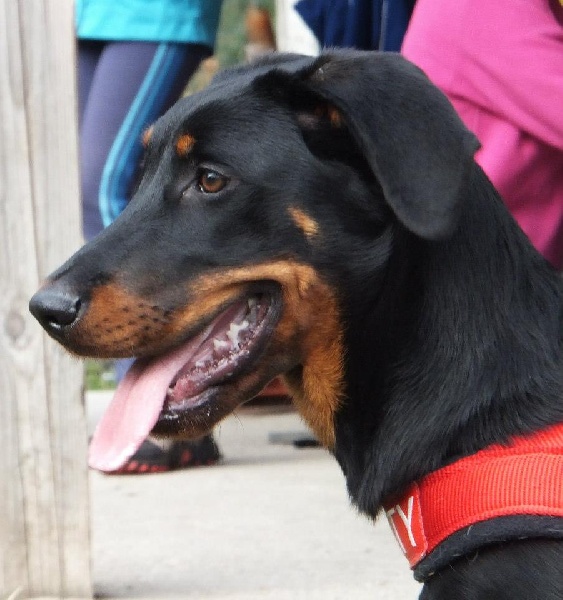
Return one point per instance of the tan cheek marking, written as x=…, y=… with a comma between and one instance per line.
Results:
x=202, y=305
x=310, y=321
x=306, y=223
x=184, y=145
x=318, y=395
x=119, y=323
x=147, y=134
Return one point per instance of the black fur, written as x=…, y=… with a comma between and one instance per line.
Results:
x=452, y=321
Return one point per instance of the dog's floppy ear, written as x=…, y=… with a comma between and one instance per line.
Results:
x=409, y=133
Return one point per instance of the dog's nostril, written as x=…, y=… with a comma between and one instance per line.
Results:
x=55, y=309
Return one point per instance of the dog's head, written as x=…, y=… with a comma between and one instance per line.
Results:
x=264, y=201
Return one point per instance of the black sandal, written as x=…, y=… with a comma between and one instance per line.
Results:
x=151, y=458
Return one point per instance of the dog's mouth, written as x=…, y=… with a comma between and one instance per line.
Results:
x=181, y=389
x=228, y=345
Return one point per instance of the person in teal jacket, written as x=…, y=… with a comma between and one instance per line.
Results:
x=135, y=58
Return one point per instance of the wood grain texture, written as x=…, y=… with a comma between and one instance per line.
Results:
x=44, y=529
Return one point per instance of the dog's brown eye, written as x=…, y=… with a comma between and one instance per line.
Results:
x=211, y=182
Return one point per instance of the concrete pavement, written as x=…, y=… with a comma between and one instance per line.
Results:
x=272, y=522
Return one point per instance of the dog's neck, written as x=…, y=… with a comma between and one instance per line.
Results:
x=467, y=352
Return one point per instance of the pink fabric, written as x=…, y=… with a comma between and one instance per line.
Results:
x=501, y=64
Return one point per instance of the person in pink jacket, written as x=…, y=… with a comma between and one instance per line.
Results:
x=501, y=65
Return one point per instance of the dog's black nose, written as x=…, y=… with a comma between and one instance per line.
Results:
x=55, y=308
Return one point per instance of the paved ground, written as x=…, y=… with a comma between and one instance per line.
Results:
x=271, y=522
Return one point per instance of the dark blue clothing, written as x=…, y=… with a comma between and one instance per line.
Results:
x=123, y=87
x=361, y=24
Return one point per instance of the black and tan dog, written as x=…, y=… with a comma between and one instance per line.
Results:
x=324, y=219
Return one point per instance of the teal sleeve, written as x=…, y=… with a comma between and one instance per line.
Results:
x=190, y=21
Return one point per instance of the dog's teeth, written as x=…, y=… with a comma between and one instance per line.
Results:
x=200, y=363
x=219, y=345
x=252, y=309
x=232, y=334
x=234, y=331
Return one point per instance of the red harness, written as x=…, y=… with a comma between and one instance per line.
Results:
x=524, y=477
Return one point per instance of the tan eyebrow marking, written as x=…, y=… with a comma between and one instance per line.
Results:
x=327, y=111
x=184, y=144
x=307, y=224
x=146, y=137
x=335, y=117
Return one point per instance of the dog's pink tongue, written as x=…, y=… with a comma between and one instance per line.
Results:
x=135, y=407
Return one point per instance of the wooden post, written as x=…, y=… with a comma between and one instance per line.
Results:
x=44, y=507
